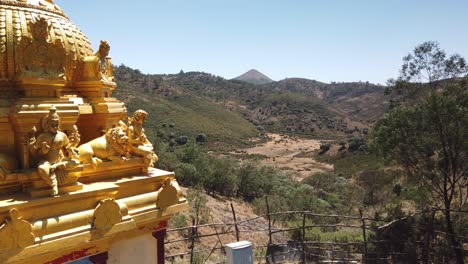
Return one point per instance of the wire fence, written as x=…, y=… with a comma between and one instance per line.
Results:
x=374, y=241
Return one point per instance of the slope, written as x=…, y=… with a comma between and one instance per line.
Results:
x=177, y=112
x=295, y=105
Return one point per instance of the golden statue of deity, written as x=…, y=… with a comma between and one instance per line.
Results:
x=55, y=151
x=99, y=66
x=139, y=143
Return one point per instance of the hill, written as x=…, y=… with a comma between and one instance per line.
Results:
x=177, y=112
x=254, y=77
x=198, y=102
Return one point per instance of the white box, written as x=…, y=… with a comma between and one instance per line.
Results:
x=239, y=253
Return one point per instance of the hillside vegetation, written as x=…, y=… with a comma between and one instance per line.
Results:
x=185, y=114
x=237, y=110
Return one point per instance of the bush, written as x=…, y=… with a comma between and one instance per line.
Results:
x=182, y=140
x=254, y=182
x=223, y=178
x=186, y=174
x=324, y=181
x=324, y=147
x=355, y=143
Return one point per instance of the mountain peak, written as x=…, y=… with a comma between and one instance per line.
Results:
x=254, y=77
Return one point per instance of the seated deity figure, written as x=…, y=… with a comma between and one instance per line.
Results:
x=99, y=66
x=55, y=152
x=139, y=144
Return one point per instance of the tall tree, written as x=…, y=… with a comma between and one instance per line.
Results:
x=427, y=131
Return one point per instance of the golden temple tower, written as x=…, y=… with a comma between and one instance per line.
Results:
x=76, y=174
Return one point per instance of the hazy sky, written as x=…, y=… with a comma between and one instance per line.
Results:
x=325, y=40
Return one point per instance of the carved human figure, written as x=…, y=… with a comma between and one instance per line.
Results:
x=54, y=151
x=105, y=62
x=99, y=66
x=123, y=122
x=74, y=137
x=139, y=143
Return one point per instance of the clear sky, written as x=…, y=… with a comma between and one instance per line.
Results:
x=325, y=40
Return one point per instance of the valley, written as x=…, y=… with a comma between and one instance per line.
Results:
x=301, y=144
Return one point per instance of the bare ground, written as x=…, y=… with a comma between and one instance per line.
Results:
x=292, y=154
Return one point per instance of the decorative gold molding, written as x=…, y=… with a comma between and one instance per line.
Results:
x=15, y=233
x=107, y=214
x=17, y=4
x=168, y=196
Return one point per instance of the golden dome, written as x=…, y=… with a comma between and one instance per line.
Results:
x=38, y=43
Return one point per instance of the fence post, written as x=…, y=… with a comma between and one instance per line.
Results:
x=364, y=236
x=427, y=242
x=235, y=222
x=332, y=250
x=192, y=245
x=303, y=238
x=269, y=220
x=347, y=252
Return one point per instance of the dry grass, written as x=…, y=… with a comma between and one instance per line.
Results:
x=290, y=153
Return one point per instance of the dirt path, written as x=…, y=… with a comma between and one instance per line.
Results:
x=290, y=153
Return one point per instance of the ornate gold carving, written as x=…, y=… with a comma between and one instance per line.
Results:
x=41, y=54
x=16, y=233
x=168, y=195
x=111, y=146
x=49, y=4
x=3, y=45
x=40, y=57
x=7, y=165
x=107, y=214
x=105, y=61
x=16, y=26
x=66, y=45
x=74, y=137
x=10, y=44
x=55, y=153
x=99, y=66
x=41, y=5
x=28, y=141
x=139, y=143
x=123, y=122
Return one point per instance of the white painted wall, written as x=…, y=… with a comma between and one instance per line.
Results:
x=137, y=250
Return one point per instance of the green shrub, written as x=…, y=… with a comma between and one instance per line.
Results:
x=223, y=178
x=186, y=174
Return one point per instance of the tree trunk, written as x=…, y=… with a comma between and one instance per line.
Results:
x=457, y=248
